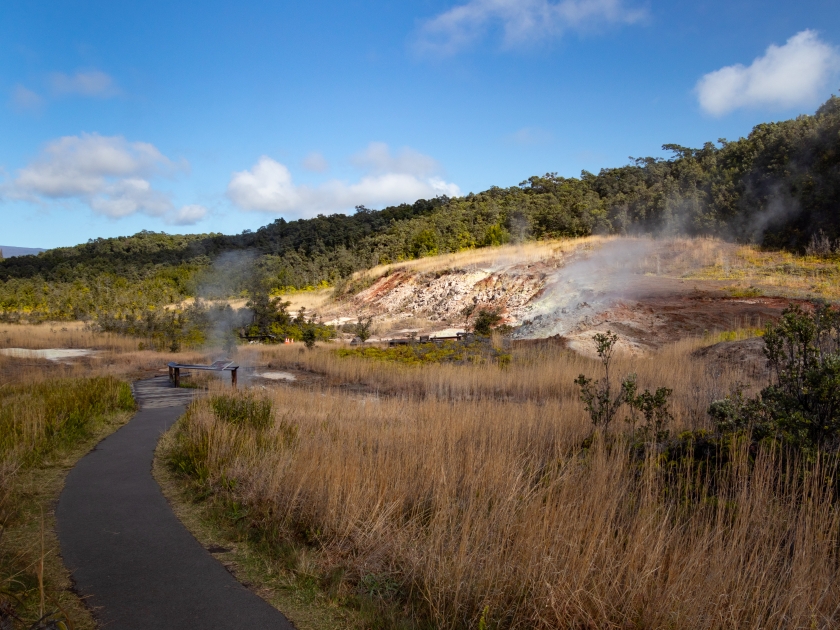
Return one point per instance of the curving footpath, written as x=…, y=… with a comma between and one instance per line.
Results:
x=131, y=558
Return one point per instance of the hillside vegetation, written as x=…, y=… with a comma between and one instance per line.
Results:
x=779, y=186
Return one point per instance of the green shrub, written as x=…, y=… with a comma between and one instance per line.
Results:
x=801, y=406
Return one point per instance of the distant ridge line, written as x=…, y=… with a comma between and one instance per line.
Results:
x=10, y=251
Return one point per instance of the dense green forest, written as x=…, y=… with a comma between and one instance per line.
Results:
x=779, y=186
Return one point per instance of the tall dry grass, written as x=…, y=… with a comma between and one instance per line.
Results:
x=538, y=373
x=481, y=504
x=533, y=251
x=62, y=335
x=673, y=256
x=38, y=417
x=468, y=488
x=45, y=423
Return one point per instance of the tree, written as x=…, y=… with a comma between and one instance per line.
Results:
x=654, y=409
x=363, y=329
x=309, y=337
x=266, y=310
x=803, y=351
x=485, y=321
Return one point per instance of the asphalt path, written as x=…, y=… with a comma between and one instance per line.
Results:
x=131, y=558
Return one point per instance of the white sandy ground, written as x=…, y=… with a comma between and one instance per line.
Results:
x=277, y=376
x=53, y=354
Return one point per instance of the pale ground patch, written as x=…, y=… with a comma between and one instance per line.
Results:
x=52, y=354
x=277, y=376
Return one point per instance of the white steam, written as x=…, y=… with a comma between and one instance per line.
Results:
x=586, y=287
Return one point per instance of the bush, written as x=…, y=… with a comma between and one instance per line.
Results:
x=486, y=321
x=602, y=406
x=309, y=337
x=801, y=406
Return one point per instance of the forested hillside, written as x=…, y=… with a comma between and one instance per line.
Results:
x=780, y=186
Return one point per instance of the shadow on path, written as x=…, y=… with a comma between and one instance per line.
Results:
x=133, y=560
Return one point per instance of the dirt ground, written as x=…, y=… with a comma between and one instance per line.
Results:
x=672, y=311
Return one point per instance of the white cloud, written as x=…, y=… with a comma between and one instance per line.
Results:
x=92, y=83
x=187, y=215
x=24, y=99
x=267, y=186
x=522, y=21
x=390, y=179
x=316, y=163
x=796, y=74
x=82, y=165
x=108, y=173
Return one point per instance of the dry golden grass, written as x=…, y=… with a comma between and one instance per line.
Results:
x=775, y=272
x=475, y=505
x=46, y=425
x=663, y=256
x=702, y=259
x=549, y=251
x=468, y=488
x=537, y=373
x=533, y=251
x=113, y=354
x=61, y=335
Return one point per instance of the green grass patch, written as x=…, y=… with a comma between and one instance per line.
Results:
x=426, y=353
x=745, y=292
x=739, y=334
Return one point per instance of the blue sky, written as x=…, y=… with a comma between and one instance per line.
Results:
x=222, y=116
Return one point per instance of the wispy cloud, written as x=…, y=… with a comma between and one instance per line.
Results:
x=796, y=74
x=522, y=22
x=529, y=136
x=25, y=100
x=388, y=179
x=316, y=163
x=93, y=83
x=378, y=159
x=108, y=173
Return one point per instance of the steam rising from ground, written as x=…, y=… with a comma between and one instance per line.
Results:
x=587, y=286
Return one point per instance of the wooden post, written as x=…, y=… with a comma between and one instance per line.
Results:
x=233, y=377
x=171, y=374
x=177, y=377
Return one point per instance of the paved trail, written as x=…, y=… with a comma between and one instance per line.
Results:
x=129, y=554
